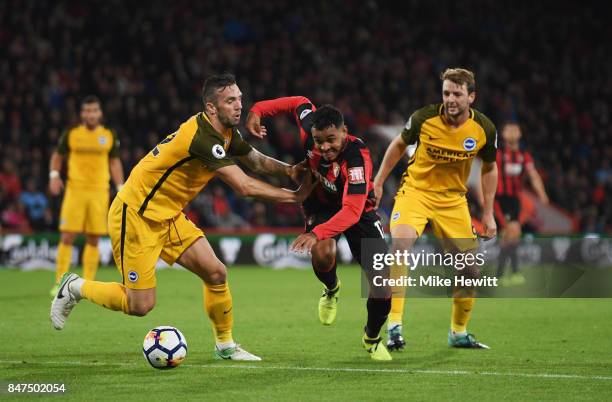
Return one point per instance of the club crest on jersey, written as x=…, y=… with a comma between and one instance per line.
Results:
x=132, y=276
x=356, y=175
x=218, y=151
x=469, y=144
x=102, y=140
x=336, y=169
x=305, y=113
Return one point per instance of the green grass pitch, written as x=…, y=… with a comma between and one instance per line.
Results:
x=541, y=349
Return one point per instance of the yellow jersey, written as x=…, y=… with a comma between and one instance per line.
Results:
x=443, y=157
x=176, y=170
x=88, y=152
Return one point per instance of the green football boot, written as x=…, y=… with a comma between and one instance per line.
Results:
x=328, y=305
x=467, y=341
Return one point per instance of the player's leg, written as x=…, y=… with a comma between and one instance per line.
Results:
x=63, y=258
x=72, y=218
x=403, y=238
x=91, y=257
x=452, y=225
x=366, y=240
x=188, y=246
x=500, y=219
x=95, y=226
x=509, y=251
x=139, y=251
x=408, y=220
x=514, y=238
x=324, y=266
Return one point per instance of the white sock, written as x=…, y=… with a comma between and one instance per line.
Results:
x=75, y=288
x=225, y=345
x=393, y=324
x=463, y=333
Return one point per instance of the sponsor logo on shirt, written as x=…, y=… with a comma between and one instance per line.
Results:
x=356, y=175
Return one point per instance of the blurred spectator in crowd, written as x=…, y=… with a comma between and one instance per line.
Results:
x=35, y=205
x=10, y=183
x=13, y=218
x=221, y=212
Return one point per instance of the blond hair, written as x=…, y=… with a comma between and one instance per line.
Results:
x=460, y=76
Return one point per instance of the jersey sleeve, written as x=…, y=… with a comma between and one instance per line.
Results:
x=299, y=106
x=273, y=107
x=238, y=146
x=410, y=132
x=114, y=151
x=209, y=150
x=488, y=153
x=357, y=172
x=62, y=144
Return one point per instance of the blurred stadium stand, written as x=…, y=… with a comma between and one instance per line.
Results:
x=542, y=64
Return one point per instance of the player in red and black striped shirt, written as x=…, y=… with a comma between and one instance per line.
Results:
x=341, y=203
x=512, y=164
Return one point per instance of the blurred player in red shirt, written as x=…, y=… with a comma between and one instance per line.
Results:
x=512, y=164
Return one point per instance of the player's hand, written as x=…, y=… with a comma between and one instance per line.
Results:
x=490, y=227
x=56, y=185
x=253, y=125
x=296, y=171
x=304, y=242
x=544, y=200
x=378, y=193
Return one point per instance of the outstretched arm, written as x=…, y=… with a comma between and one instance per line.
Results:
x=394, y=153
x=273, y=107
x=260, y=163
x=248, y=186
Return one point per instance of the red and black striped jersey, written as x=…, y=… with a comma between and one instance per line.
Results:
x=511, y=166
x=345, y=185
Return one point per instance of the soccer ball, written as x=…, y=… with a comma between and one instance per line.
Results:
x=164, y=347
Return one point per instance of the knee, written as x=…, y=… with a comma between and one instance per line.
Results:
x=68, y=238
x=92, y=240
x=471, y=272
x=217, y=275
x=140, y=309
x=324, y=255
x=402, y=244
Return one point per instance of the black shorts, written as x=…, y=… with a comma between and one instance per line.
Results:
x=507, y=209
x=365, y=238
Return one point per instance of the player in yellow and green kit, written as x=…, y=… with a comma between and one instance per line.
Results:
x=146, y=221
x=448, y=136
x=91, y=151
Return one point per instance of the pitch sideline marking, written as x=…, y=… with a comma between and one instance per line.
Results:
x=338, y=369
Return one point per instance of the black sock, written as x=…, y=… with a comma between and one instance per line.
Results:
x=501, y=261
x=513, y=252
x=329, y=278
x=378, y=310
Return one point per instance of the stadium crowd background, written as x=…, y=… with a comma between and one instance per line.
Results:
x=539, y=63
